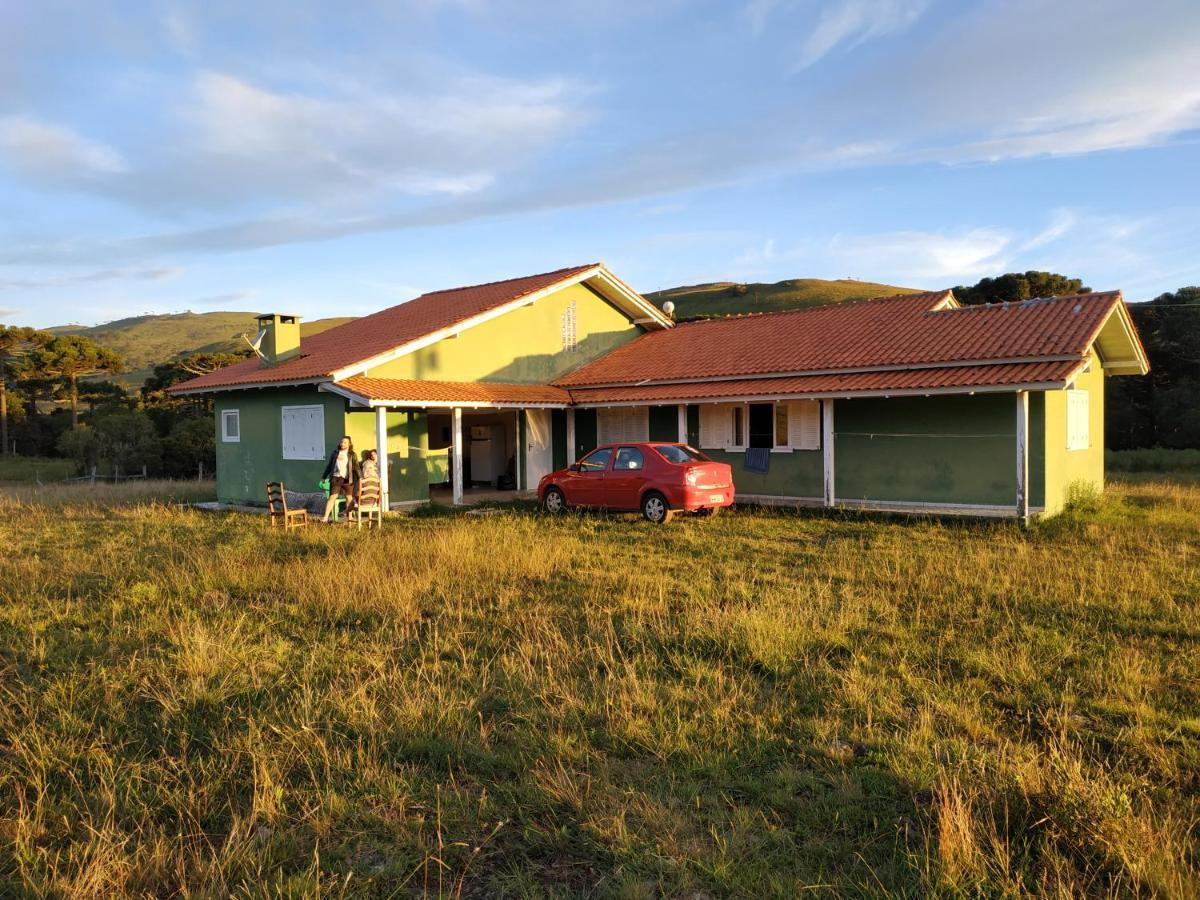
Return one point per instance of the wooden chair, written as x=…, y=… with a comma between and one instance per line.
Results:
x=280, y=514
x=369, y=504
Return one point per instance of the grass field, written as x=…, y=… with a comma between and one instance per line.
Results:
x=31, y=469
x=725, y=298
x=765, y=704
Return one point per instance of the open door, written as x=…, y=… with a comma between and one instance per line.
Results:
x=538, y=450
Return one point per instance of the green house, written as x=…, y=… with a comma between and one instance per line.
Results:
x=908, y=403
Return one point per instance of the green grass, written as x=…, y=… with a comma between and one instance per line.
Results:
x=1157, y=459
x=726, y=298
x=764, y=704
x=32, y=468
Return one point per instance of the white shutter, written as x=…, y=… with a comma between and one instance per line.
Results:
x=1078, y=421
x=303, y=432
x=804, y=424
x=712, y=423
x=622, y=424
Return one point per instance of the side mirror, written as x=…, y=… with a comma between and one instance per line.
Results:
x=573, y=467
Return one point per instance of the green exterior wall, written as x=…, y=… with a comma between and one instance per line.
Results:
x=558, y=439
x=945, y=449
x=524, y=346
x=244, y=467
x=1065, y=469
x=586, y=432
x=799, y=473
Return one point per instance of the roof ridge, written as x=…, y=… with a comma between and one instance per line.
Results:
x=482, y=284
x=835, y=304
x=1031, y=301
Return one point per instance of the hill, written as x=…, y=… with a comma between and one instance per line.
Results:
x=723, y=298
x=145, y=341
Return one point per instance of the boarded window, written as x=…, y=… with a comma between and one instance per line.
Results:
x=804, y=424
x=1078, y=421
x=619, y=424
x=303, y=432
x=231, y=426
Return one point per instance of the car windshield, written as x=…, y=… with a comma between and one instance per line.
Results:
x=681, y=453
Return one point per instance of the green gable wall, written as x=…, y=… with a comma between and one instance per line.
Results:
x=942, y=449
x=524, y=346
x=244, y=468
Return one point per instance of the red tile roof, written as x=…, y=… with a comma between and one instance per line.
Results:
x=325, y=353
x=932, y=380
x=904, y=331
x=465, y=392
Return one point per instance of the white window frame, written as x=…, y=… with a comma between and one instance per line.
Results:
x=320, y=449
x=1079, y=420
x=726, y=428
x=227, y=416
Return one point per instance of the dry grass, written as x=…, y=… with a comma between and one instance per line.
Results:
x=764, y=704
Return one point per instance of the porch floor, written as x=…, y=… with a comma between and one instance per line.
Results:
x=441, y=494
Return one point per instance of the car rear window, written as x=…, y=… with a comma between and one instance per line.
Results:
x=681, y=453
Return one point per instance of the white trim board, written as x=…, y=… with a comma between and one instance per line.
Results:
x=367, y=403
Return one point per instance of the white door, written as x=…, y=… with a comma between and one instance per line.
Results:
x=538, y=456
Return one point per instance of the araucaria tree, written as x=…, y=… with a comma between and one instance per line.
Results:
x=15, y=344
x=69, y=357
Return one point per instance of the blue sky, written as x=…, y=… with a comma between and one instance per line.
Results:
x=333, y=159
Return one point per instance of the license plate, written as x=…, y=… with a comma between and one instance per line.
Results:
x=715, y=498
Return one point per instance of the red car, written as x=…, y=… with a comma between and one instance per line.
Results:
x=656, y=478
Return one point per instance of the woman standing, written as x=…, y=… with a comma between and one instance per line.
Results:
x=343, y=474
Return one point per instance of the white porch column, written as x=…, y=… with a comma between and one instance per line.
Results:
x=1023, y=457
x=456, y=457
x=683, y=423
x=381, y=450
x=570, y=436
x=827, y=449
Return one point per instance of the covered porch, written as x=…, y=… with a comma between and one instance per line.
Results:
x=479, y=441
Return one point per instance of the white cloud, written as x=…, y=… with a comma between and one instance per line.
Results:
x=54, y=153
x=155, y=273
x=341, y=134
x=851, y=22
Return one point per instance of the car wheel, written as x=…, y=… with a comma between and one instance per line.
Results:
x=553, y=501
x=655, y=508
x=708, y=512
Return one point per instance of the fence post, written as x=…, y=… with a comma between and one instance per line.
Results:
x=93, y=475
x=143, y=472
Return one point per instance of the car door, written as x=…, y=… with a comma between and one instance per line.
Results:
x=623, y=487
x=585, y=486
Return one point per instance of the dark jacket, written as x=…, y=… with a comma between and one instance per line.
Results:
x=353, y=472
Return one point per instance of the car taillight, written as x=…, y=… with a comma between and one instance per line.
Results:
x=691, y=477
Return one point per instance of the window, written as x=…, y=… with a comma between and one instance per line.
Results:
x=1078, y=430
x=629, y=458
x=762, y=425
x=619, y=424
x=231, y=426
x=794, y=425
x=596, y=461
x=674, y=453
x=303, y=432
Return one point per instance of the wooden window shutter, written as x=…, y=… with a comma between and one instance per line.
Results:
x=713, y=422
x=804, y=424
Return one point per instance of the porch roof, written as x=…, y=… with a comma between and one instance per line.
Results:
x=411, y=392
x=933, y=380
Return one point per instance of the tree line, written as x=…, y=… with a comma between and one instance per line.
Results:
x=57, y=397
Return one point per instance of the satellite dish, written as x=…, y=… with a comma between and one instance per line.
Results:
x=668, y=309
x=257, y=342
